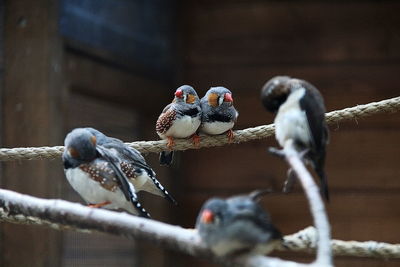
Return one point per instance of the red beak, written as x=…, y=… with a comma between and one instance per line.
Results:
x=179, y=93
x=228, y=97
x=207, y=216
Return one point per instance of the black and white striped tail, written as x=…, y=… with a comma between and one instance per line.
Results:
x=139, y=207
x=162, y=188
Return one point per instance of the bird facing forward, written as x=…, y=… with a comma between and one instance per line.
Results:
x=218, y=113
x=180, y=119
x=94, y=173
x=301, y=118
x=237, y=225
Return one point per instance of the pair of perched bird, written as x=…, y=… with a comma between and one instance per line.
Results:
x=107, y=173
x=238, y=224
x=187, y=115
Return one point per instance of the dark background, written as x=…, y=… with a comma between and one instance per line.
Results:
x=114, y=65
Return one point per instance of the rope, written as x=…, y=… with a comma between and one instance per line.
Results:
x=385, y=106
x=305, y=241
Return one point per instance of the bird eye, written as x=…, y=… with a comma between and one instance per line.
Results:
x=207, y=216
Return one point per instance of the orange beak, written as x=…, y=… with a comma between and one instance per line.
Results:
x=228, y=97
x=179, y=93
x=207, y=216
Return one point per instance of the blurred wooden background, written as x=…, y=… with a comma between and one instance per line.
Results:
x=114, y=65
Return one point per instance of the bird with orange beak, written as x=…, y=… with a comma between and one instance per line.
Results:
x=180, y=119
x=237, y=225
x=218, y=113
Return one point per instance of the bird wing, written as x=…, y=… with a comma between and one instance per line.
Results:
x=313, y=105
x=166, y=119
x=126, y=187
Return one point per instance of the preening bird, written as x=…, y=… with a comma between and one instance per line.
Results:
x=218, y=113
x=94, y=172
x=237, y=225
x=300, y=117
x=133, y=165
x=180, y=119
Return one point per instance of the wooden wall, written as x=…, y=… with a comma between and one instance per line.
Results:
x=350, y=51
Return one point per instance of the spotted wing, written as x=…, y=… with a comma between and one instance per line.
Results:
x=101, y=172
x=166, y=119
x=126, y=187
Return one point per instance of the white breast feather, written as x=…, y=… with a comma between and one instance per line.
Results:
x=92, y=192
x=183, y=127
x=214, y=128
x=291, y=122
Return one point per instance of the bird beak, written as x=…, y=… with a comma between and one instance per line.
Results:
x=179, y=93
x=228, y=97
x=207, y=216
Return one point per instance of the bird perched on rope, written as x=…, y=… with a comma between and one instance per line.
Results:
x=94, y=172
x=218, y=113
x=300, y=117
x=237, y=225
x=133, y=165
x=180, y=119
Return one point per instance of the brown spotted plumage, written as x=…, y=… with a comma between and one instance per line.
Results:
x=165, y=120
x=101, y=173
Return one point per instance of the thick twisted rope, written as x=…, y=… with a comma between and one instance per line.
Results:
x=305, y=241
x=385, y=106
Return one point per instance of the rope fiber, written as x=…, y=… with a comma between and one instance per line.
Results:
x=385, y=106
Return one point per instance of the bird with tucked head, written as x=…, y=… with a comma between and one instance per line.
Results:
x=218, y=113
x=237, y=225
x=94, y=173
x=300, y=117
x=180, y=119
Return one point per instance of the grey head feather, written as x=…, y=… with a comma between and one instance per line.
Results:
x=224, y=111
x=82, y=145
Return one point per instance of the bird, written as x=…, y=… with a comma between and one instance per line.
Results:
x=218, y=113
x=300, y=117
x=237, y=225
x=179, y=119
x=133, y=165
x=94, y=173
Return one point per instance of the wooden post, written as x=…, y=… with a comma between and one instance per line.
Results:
x=32, y=89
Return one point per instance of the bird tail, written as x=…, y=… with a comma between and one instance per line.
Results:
x=166, y=158
x=324, y=183
x=164, y=191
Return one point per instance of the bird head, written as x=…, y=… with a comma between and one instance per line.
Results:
x=80, y=145
x=275, y=92
x=186, y=94
x=219, y=96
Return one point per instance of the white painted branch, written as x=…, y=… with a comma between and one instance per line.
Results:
x=324, y=250
x=59, y=214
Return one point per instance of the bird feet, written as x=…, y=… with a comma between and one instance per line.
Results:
x=99, y=205
x=230, y=135
x=170, y=142
x=196, y=140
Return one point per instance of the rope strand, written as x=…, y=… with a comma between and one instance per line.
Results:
x=385, y=106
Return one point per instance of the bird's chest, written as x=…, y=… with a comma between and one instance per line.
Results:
x=216, y=127
x=291, y=122
x=184, y=126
